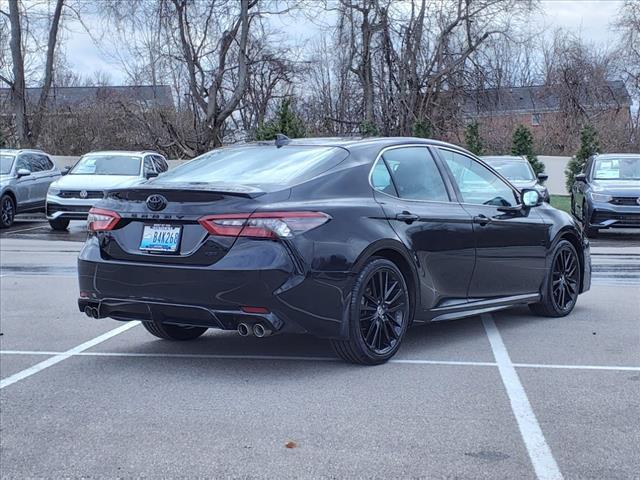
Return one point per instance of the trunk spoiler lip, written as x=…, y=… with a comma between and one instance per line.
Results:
x=232, y=190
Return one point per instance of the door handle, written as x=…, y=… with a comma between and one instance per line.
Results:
x=407, y=217
x=481, y=219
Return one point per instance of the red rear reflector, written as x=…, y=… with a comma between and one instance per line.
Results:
x=100, y=220
x=254, y=309
x=263, y=224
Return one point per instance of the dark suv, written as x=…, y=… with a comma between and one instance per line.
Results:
x=607, y=193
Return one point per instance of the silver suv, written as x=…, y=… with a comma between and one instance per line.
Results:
x=25, y=176
x=71, y=197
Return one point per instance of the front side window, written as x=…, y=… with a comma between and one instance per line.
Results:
x=477, y=184
x=415, y=174
x=23, y=162
x=6, y=162
x=107, y=165
x=622, y=168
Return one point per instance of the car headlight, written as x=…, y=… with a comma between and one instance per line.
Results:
x=600, y=197
x=53, y=191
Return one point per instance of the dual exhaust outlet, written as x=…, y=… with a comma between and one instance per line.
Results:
x=258, y=329
x=92, y=312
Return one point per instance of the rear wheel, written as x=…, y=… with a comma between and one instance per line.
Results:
x=173, y=332
x=563, y=283
x=59, y=224
x=379, y=315
x=7, y=211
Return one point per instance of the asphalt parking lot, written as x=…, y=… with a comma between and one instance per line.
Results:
x=508, y=395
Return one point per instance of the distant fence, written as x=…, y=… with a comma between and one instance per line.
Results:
x=554, y=167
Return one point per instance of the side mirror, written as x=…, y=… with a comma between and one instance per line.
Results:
x=65, y=170
x=23, y=172
x=581, y=177
x=531, y=198
x=543, y=177
x=149, y=175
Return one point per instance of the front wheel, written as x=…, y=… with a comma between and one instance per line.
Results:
x=379, y=315
x=563, y=283
x=173, y=332
x=59, y=224
x=7, y=211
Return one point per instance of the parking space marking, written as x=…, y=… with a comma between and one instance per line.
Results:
x=540, y=454
x=16, y=377
x=23, y=230
x=215, y=356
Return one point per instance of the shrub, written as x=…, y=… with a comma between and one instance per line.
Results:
x=522, y=144
x=589, y=146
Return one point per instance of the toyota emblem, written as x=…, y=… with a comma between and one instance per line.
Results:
x=83, y=194
x=156, y=203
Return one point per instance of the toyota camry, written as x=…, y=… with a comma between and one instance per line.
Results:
x=352, y=240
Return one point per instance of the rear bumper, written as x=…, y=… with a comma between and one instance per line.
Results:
x=606, y=215
x=213, y=296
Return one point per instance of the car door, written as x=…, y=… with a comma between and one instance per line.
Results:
x=24, y=185
x=510, y=246
x=44, y=172
x=409, y=185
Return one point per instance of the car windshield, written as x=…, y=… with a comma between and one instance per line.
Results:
x=6, y=162
x=264, y=167
x=107, y=165
x=620, y=168
x=512, y=169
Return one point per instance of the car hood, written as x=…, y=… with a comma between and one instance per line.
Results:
x=617, y=188
x=95, y=182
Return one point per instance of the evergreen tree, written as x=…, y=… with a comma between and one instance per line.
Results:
x=589, y=145
x=522, y=145
x=422, y=129
x=285, y=121
x=368, y=129
x=472, y=138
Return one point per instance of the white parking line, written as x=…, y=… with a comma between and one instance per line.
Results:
x=16, y=377
x=540, y=454
x=409, y=361
x=23, y=230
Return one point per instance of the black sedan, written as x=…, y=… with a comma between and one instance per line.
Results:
x=349, y=240
x=607, y=193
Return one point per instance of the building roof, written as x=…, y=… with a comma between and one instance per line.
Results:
x=74, y=97
x=542, y=98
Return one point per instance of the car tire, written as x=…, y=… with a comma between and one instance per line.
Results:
x=379, y=315
x=59, y=224
x=173, y=332
x=7, y=211
x=590, y=232
x=562, y=285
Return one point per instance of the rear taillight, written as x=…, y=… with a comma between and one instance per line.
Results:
x=263, y=224
x=100, y=220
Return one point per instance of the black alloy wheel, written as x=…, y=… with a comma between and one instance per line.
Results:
x=7, y=211
x=563, y=285
x=380, y=315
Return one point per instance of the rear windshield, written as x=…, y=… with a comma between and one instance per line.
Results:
x=107, y=165
x=264, y=167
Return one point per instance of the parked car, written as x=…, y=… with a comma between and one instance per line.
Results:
x=519, y=172
x=350, y=240
x=25, y=176
x=71, y=197
x=607, y=193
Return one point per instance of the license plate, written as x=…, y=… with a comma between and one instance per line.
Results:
x=160, y=238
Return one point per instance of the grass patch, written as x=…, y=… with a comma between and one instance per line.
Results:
x=561, y=202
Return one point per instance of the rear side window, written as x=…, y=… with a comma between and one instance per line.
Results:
x=44, y=162
x=160, y=163
x=415, y=174
x=266, y=167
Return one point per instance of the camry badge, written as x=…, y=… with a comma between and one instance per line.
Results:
x=83, y=194
x=156, y=203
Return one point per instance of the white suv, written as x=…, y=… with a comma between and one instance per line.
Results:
x=71, y=197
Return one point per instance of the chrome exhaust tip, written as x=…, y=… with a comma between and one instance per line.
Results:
x=87, y=311
x=244, y=330
x=260, y=331
x=95, y=313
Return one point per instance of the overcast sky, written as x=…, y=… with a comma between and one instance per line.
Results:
x=591, y=19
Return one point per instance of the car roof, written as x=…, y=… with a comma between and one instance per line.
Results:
x=122, y=152
x=16, y=151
